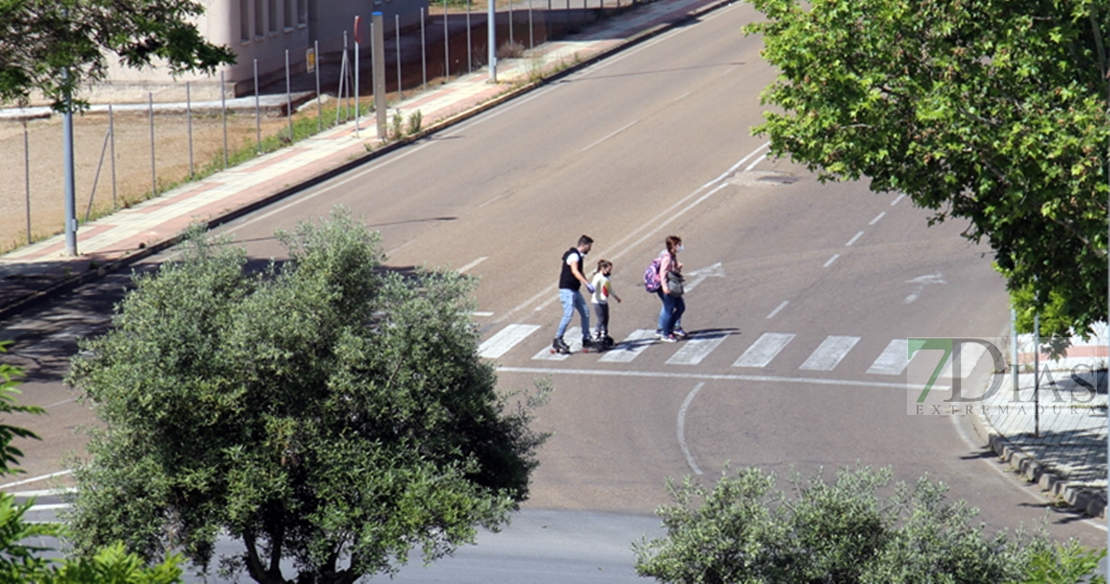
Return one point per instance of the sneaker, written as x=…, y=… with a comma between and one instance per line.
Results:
x=658, y=333
x=668, y=339
x=678, y=332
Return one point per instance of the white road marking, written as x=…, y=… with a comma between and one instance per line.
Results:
x=893, y=360
x=477, y=313
x=464, y=269
x=652, y=227
x=895, y=201
x=853, y=240
x=831, y=260
x=699, y=276
x=682, y=428
x=573, y=339
x=757, y=161
x=778, y=309
x=829, y=353
x=763, y=350
x=505, y=339
x=630, y=347
x=876, y=219
x=967, y=355
x=922, y=282
x=37, y=479
x=705, y=376
x=696, y=349
x=626, y=126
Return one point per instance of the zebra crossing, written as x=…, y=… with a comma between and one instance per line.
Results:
x=825, y=356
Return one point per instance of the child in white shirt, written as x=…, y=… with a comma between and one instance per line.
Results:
x=603, y=290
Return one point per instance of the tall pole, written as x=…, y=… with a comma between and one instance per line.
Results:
x=491, y=36
x=67, y=157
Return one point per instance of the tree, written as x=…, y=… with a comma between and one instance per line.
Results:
x=327, y=411
x=994, y=112
x=44, y=37
x=744, y=530
x=20, y=562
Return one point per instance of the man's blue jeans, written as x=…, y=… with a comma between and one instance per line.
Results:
x=572, y=300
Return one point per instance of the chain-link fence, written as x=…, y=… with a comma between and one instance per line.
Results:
x=128, y=152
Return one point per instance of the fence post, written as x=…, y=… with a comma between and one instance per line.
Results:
x=531, y=28
x=316, y=67
x=257, y=110
x=288, y=97
x=27, y=177
x=511, y=23
x=358, y=105
x=469, y=45
x=423, y=52
x=153, y=172
x=189, y=123
x=223, y=114
x=397, y=39
x=446, y=46
x=112, y=131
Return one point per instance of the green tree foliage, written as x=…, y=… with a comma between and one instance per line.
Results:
x=20, y=562
x=327, y=411
x=745, y=530
x=42, y=37
x=994, y=112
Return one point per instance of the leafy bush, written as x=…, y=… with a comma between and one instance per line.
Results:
x=745, y=530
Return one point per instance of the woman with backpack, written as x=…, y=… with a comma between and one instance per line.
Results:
x=670, y=292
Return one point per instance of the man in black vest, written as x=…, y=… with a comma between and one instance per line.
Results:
x=570, y=281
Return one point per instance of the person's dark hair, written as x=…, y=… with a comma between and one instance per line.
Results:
x=585, y=240
x=601, y=265
x=673, y=241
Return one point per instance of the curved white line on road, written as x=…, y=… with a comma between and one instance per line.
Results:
x=682, y=428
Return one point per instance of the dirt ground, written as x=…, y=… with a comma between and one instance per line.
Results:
x=45, y=200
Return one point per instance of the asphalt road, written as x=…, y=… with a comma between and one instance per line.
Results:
x=652, y=142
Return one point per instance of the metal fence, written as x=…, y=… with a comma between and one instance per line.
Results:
x=129, y=152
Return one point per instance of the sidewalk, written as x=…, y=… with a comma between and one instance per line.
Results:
x=1056, y=439
x=37, y=272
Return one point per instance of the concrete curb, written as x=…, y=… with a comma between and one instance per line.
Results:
x=1078, y=498
x=85, y=272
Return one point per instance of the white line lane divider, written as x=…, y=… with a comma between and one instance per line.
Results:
x=682, y=428
x=778, y=309
x=853, y=240
x=463, y=269
x=831, y=260
x=704, y=376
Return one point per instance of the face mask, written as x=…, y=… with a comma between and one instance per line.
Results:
x=680, y=247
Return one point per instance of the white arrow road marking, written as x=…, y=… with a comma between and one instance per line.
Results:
x=922, y=282
x=699, y=276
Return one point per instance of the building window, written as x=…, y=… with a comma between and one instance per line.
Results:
x=273, y=17
x=302, y=12
x=245, y=20
x=259, y=19
x=287, y=14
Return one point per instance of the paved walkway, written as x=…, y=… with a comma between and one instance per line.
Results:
x=1054, y=432
x=1063, y=448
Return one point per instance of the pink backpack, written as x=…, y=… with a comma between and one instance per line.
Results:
x=651, y=276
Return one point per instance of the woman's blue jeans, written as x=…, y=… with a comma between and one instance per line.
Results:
x=670, y=316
